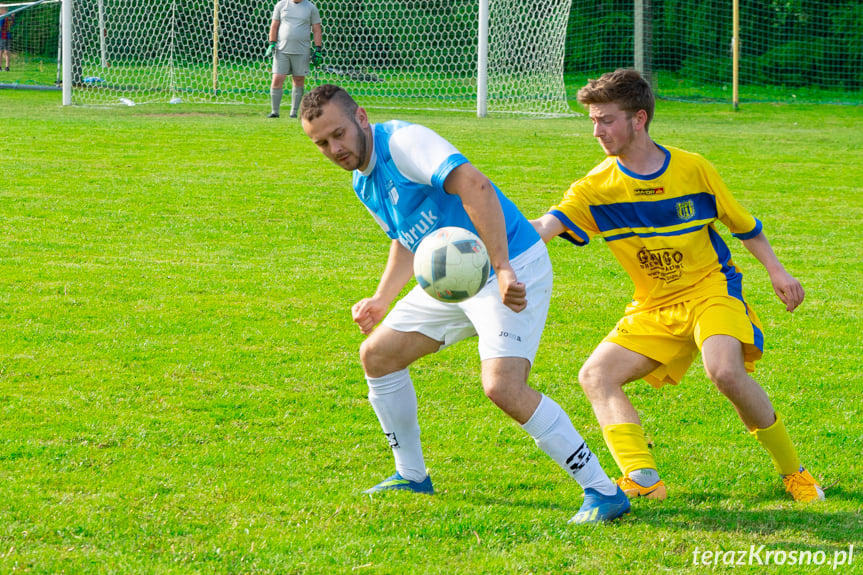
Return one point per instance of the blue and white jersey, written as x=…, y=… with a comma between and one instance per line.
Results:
x=403, y=188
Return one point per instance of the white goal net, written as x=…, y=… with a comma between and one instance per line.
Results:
x=388, y=53
x=29, y=31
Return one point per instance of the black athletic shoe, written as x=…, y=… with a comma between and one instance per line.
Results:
x=272, y=115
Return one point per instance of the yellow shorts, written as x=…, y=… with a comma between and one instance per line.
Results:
x=673, y=335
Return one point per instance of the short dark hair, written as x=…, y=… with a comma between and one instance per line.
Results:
x=313, y=102
x=624, y=87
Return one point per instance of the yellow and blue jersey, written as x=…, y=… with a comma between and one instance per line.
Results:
x=661, y=227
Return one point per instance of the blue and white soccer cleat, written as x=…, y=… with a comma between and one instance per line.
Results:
x=598, y=507
x=397, y=482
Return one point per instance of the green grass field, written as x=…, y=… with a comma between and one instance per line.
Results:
x=181, y=393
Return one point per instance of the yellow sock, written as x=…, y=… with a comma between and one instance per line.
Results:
x=628, y=446
x=778, y=444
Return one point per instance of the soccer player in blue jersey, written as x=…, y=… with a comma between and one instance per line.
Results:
x=413, y=181
x=656, y=208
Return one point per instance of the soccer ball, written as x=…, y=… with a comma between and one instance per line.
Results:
x=451, y=264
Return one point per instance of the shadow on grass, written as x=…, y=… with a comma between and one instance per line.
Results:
x=762, y=515
x=709, y=512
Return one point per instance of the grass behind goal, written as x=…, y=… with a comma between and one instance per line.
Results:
x=179, y=377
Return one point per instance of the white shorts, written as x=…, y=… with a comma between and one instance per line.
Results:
x=502, y=332
x=291, y=64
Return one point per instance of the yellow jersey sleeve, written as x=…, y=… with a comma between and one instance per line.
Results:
x=574, y=211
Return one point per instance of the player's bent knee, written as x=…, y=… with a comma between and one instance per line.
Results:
x=497, y=391
x=590, y=379
x=372, y=359
x=379, y=358
x=511, y=396
x=729, y=382
x=720, y=373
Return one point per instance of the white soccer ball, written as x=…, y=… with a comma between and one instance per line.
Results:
x=451, y=264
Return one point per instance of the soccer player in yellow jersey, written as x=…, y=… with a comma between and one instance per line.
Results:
x=656, y=207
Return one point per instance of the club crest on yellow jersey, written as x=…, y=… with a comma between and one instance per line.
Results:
x=686, y=210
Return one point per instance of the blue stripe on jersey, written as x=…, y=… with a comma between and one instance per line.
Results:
x=682, y=232
x=735, y=281
x=582, y=235
x=749, y=235
x=733, y=277
x=446, y=168
x=656, y=215
x=759, y=335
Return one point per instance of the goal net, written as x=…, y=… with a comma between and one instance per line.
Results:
x=388, y=53
x=423, y=53
x=31, y=30
x=789, y=51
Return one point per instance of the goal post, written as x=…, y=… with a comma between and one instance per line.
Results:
x=389, y=53
x=215, y=45
x=66, y=38
x=482, y=61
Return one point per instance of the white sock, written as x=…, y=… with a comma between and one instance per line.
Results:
x=395, y=402
x=645, y=477
x=296, y=99
x=554, y=433
x=276, y=99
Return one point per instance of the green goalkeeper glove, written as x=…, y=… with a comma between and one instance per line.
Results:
x=317, y=57
x=270, y=49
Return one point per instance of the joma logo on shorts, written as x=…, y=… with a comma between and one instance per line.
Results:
x=514, y=336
